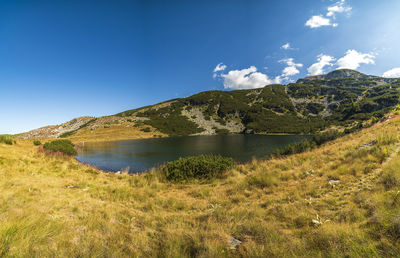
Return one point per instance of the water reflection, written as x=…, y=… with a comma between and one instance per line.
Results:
x=143, y=154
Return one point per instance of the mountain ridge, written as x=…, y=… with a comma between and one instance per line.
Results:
x=340, y=98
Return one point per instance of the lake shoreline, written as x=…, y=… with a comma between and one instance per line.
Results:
x=141, y=155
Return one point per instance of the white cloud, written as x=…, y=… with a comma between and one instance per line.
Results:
x=286, y=46
x=318, y=21
x=291, y=68
x=290, y=71
x=353, y=59
x=392, y=73
x=247, y=78
x=338, y=7
x=318, y=67
x=219, y=67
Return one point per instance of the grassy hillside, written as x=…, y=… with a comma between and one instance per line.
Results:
x=341, y=199
x=89, y=129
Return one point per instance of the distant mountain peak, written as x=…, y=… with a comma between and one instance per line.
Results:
x=339, y=74
x=345, y=73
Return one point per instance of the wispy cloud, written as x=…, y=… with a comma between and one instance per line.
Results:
x=338, y=7
x=220, y=67
x=318, y=67
x=286, y=46
x=317, y=21
x=291, y=68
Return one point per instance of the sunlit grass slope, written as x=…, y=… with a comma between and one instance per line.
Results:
x=113, y=132
x=337, y=200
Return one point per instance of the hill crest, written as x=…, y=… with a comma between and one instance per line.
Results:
x=339, y=98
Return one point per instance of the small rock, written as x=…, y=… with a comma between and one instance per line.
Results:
x=233, y=242
x=249, y=131
x=72, y=187
x=333, y=183
x=319, y=221
x=316, y=222
x=369, y=144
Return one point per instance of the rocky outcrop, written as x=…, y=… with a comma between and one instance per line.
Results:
x=54, y=131
x=211, y=126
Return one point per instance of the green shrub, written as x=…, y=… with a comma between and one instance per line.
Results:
x=294, y=148
x=146, y=129
x=60, y=146
x=306, y=145
x=37, y=143
x=330, y=135
x=397, y=109
x=7, y=139
x=353, y=129
x=222, y=131
x=67, y=134
x=203, y=167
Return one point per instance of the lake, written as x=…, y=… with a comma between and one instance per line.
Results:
x=142, y=154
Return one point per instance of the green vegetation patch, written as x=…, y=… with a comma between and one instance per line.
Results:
x=169, y=120
x=202, y=167
x=146, y=129
x=296, y=108
x=7, y=139
x=60, y=146
x=37, y=143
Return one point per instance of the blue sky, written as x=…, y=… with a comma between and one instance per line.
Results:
x=64, y=59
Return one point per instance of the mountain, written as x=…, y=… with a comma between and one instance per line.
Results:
x=340, y=98
x=342, y=74
x=338, y=200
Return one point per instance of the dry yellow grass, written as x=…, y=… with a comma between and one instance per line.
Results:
x=122, y=131
x=52, y=206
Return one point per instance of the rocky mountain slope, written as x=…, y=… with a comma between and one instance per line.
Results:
x=340, y=98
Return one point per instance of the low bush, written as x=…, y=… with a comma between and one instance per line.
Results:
x=353, y=129
x=222, y=131
x=327, y=136
x=294, y=148
x=37, y=143
x=60, y=146
x=146, y=129
x=306, y=145
x=397, y=109
x=202, y=167
x=7, y=139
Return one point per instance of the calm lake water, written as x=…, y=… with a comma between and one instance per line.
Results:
x=141, y=155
